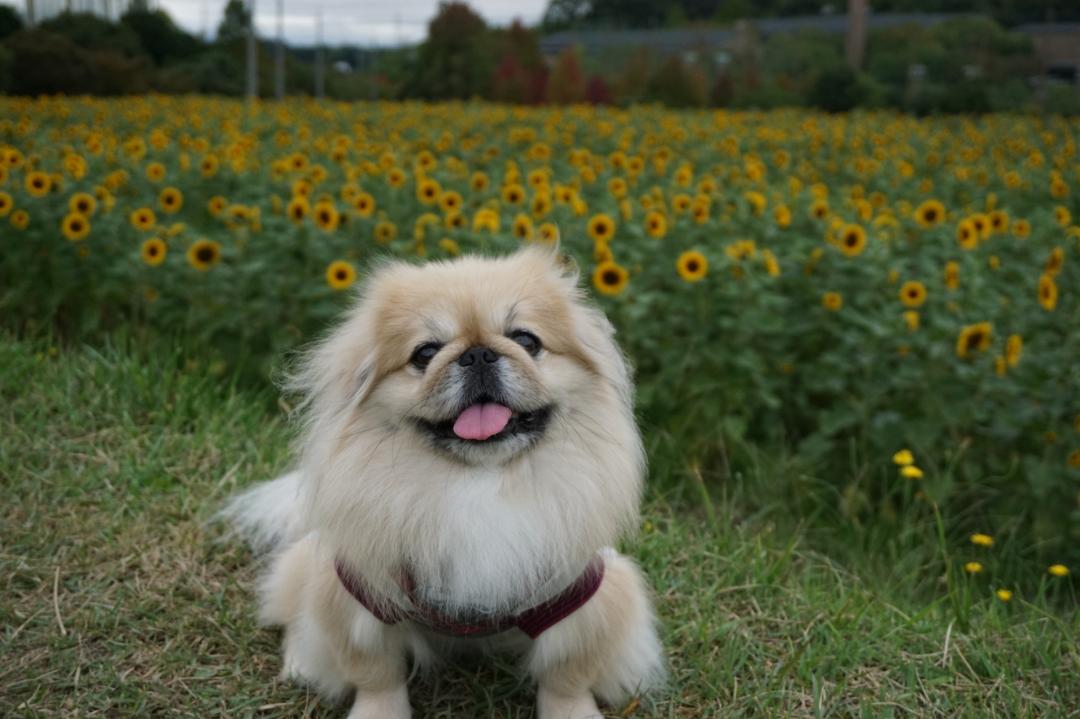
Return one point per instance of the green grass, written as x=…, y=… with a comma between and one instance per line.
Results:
x=119, y=601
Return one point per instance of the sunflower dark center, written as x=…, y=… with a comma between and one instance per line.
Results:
x=692, y=265
x=205, y=254
x=611, y=277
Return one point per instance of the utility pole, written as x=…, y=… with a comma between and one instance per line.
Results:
x=320, y=70
x=855, y=45
x=30, y=13
x=279, y=54
x=252, y=54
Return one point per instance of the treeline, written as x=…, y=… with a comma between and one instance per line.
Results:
x=966, y=64
x=969, y=64
x=143, y=51
x=574, y=14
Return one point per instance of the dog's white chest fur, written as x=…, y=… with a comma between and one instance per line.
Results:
x=487, y=547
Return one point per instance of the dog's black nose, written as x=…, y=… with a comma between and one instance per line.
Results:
x=478, y=356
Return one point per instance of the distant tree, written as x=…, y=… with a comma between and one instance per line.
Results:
x=10, y=21
x=92, y=32
x=632, y=82
x=566, y=84
x=520, y=76
x=598, y=92
x=456, y=59
x=45, y=62
x=235, y=21
x=159, y=35
x=678, y=85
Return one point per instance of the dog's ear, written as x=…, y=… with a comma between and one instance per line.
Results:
x=338, y=372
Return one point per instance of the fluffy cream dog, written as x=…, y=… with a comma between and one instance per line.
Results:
x=469, y=460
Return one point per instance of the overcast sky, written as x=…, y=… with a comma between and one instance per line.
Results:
x=360, y=22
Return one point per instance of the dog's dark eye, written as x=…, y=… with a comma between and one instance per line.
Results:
x=528, y=340
x=423, y=354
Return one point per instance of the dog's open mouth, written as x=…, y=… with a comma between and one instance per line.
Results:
x=485, y=421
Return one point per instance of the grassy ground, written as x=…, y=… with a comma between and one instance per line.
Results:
x=117, y=601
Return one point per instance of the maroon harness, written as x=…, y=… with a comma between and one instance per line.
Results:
x=533, y=622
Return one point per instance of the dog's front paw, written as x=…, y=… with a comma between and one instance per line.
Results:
x=550, y=705
x=389, y=704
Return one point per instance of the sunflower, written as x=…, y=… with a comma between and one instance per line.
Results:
x=455, y=221
x=513, y=194
x=326, y=216
x=819, y=210
x=911, y=319
x=297, y=209
x=681, y=203
x=601, y=228
x=208, y=166
x=340, y=275
x=852, y=240
x=655, y=224
x=364, y=204
x=396, y=177
x=170, y=200
x=952, y=275
x=999, y=221
x=692, y=266
x=143, y=219
x=548, y=233
x=1014, y=347
x=427, y=192
x=450, y=201
x=782, y=216
x=913, y=293
x=479, y=181
x=540, y=205
x=1054, y=262
x=20, y=219
x=1061, y=214
x=1048, y=293
x=38, y=183
x=772, y=266
x=449, y=247
x=385, y=232
x=216, y=205
x=832, y=301
x=486, y=219
x=6, y=203
x=930, y=213
x=155, y=172
x=982, y=225
x=75, y=226
x=204, y=254
x=83, y=203
x=974, y=338
x=523, y=227
x=153, y=251
x=610, y=278
x=967, y=234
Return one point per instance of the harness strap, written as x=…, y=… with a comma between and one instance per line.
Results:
x=534, y=621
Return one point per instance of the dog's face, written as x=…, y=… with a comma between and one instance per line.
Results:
x=481, y=360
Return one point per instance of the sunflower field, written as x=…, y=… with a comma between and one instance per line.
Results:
x=887, y=306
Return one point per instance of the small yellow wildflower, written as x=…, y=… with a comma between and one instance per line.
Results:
x=911, y=472
x=904, y=458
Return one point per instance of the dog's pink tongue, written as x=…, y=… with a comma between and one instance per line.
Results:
x=480, y=421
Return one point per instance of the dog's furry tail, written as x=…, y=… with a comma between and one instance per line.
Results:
x=267, y=515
